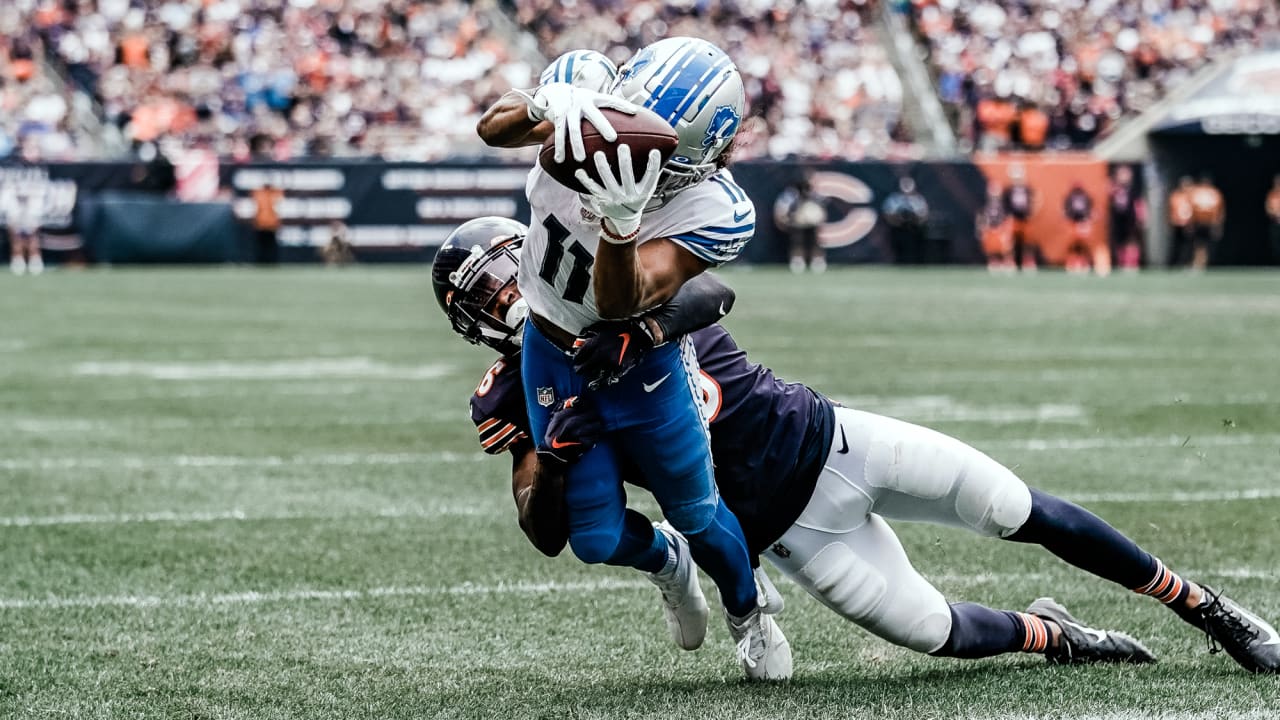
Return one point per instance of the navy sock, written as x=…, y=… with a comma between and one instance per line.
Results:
x=1088, y=542
x=978, y=631
x=721, y=551
x=640, y=546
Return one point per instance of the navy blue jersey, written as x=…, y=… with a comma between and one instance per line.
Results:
x=769, y=438
x=497, y=407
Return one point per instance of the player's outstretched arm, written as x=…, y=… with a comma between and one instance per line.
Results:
x=539, y=493
x=507, y=123
x=631, y=279
x=563, y=107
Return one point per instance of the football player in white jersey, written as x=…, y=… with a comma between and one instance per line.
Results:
x=812, y=482
x=628, y=245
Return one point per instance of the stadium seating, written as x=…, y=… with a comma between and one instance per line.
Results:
x=283, y=79
x=818, y=81
x=1041, y=74
x=407, y=80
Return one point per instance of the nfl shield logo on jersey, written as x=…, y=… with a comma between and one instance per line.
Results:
x=546, y=396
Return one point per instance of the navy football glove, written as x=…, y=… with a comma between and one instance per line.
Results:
x=608, y=350
x=574, y=429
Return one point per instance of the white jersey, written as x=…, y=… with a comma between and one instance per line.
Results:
x=713, y=220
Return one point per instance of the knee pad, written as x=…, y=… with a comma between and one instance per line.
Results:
x=992, y=500
x=594, y=547
x=909, y=614
x=692, y=518
x=930, y=631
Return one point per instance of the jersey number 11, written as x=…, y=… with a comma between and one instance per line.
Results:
x=579, y=275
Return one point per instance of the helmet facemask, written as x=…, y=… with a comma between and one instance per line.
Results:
x=480, y=284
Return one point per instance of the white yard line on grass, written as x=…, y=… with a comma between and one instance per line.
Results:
x=944, y=408
x=1201, y=496
x=53, y=425
x=253, y=597
x=298, y=368
x=237, y=514
x=486, y=507
x=290, y=388
x=517, y=587
x=1151, y=441
x=234, y=461
x=1067, y=572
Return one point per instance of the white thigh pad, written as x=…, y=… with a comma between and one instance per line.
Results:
x=992, y=500
x=920, y=474
x=911, y=460
x=844, y=582
x=865, y=576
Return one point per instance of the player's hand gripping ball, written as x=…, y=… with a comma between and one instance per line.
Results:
x=604, y=131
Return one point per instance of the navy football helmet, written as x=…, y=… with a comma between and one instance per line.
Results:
x=472, y=269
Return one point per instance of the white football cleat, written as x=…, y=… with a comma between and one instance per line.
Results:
x=35, y=265
x=762, y=648
x=18, y=265
x=770, y=599
x=683, y=604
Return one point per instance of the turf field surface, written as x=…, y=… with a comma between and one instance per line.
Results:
x=253, y=494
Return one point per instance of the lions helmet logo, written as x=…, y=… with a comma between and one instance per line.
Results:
x=723, y=126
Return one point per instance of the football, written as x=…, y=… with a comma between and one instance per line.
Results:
x=642, y=132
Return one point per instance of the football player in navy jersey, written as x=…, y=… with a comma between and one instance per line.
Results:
x=627, y=245
x=812, y=481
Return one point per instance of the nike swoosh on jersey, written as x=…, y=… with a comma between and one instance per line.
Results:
x=740, y=216
x=723, y=312
x=844, y=443
x=650, y=387
x=557, y=445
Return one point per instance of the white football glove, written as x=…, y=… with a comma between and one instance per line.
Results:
x=566, y=106
x=621, y=201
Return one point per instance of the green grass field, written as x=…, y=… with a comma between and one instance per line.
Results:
x=243, y=494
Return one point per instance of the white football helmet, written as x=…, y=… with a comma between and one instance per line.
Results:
x=694, y=86
x=586, y=69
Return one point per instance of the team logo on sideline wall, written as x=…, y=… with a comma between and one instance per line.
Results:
x=858, y=219
x=546, y=396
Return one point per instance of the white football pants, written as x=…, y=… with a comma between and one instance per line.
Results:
x=843, y=553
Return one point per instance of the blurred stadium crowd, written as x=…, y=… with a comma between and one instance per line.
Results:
x=1037, y=74
x=407, y=80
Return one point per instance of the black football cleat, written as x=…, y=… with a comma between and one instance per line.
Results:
x=1247, y=638
x=1080, y=644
